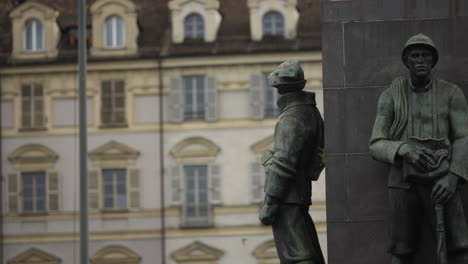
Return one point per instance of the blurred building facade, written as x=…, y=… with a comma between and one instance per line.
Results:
x=178, y=113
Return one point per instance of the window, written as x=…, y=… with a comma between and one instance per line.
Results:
x=194, y=27
x=114, y=183
x=196, y=205
x=32, y=106
x=114, y=32
x=34, y=187
x=115, y=188
x=195, y=180
x=34, y=192
x=273, y=24
x=194, y=87
x=271, y=97
x=113, y=103
x=34, y=37
x=193, y=98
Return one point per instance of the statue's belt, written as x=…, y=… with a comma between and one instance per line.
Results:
x=441, y=152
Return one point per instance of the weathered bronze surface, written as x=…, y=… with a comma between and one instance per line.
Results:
x=415, y=116
x=290, y=168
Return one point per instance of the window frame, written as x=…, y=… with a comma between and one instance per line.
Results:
x=36, y=44
x=33, y=99
x=197, y=219
x=114, y=19
x=34, y=195
x=115, y=192
x=194, y=23
x=274, y=17
x=113, y=111
x=198, y=90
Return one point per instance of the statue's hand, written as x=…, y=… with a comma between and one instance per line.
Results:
x=419, y=156
x=444, y=188
x=269, y=211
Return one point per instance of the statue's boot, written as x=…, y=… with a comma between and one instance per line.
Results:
x=401, y=260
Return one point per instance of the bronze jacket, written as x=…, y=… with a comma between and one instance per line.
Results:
x=440, y=111
x=298, y=146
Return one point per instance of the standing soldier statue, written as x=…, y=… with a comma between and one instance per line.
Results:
x=295, y=161
x=421, y=130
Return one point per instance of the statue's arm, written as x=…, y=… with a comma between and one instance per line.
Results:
x=290, y=137
x=459, y=123
x=381, y=147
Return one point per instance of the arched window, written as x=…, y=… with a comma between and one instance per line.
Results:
x=114, y=32
x=194, y=27
x=34, y=36
x=273, y=24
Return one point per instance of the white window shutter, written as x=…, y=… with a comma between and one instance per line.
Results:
x=53, y=191
x=257, y=96
x=133, y=183
x=215, y=184
x=211, y=99
x=176, y=100
x=257, y=173
x=93, y=189
x=177, y=189
x=14, y=188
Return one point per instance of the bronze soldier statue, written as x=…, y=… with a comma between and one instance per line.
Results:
x=295, y=161
x=421, y=131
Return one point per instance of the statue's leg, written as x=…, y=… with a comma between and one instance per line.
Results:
x=295, y=236
x=456, y=230
x=405, y=222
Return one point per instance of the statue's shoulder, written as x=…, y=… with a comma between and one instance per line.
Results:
x=396, y=87
x=445, y=84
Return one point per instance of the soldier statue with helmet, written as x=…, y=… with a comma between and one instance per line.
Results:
x=290, y=168
x=421, y=131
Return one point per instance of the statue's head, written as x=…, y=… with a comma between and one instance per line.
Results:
x=420, y=40
x=288, y=77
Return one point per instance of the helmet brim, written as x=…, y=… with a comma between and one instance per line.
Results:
x=434, y=52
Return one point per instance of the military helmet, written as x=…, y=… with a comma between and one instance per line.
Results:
x=420, y=39
x=288, y=76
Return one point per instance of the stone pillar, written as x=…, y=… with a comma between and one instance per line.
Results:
x=362, y=41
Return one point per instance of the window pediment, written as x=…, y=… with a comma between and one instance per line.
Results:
x=207, y=9
x=33, y=157
x=287, y=8
x=195, y=149
x=260, y=146
x=50, y=32
x=101, y=10
x=114, y=155
x=33, y=256
x=115, y=254
x=197, y=252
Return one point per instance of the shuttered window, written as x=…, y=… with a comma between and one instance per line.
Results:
x=32, y=106
x=113, y=103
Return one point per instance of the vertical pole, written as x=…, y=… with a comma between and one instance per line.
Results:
x=82, y=52
x=161, y=163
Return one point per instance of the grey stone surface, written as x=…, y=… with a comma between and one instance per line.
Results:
x=361, y=41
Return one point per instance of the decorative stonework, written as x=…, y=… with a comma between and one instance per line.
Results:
x=266, y=253
x=114, y=155
x=33, y=157
x=208, y=9
x=100, y=11
x=115, y=254
x=35, y=256
x=195, y=150
x=287, y=8
x=262, y=145
x=51, y=32
x=196, y=253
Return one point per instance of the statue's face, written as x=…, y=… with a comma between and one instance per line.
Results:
x=419, y=61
